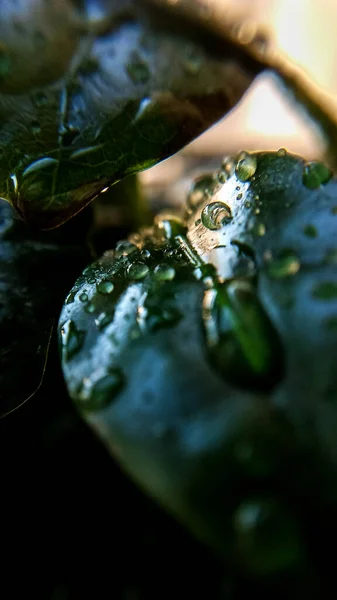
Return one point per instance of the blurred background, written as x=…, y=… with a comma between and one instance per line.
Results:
x=265, y=118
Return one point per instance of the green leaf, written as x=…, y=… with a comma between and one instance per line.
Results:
x=208, y=369
x=85, y=101
x=36, y=270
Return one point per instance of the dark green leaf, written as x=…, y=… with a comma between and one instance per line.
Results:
x=86, y=101
x=216, y=388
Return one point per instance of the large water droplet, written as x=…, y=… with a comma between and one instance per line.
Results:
x=315, y=174
x=72, y=339
x=124, y=248
x=284, y=265
x=105, y=287
x=267, y=539
x=246, y=166
x=202, y=189
x=215, y=215
x=242, y=343
x=164, y=272
x=137, y=270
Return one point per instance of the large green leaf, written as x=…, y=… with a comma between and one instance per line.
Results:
x=36, y=270
x=204, y=356
x=91, y=94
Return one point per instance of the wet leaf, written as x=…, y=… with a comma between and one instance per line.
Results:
x=35, y=273
x=215, y=387
x=91, y=92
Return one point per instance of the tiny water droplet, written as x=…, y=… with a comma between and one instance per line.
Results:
x=315, y=174
x=246, y=166
x=137, y=270
x=281, y=152
x=72, y=339
x=164, y=272
x=70, y=298
x=260, y=229
x=138, y=69
x=104, y=391
x=239, y=196
x=284, y=265
x=310, y=231
x=90, y=308
x=327, y=290
x=192, y=60
x=84, y=297
x=228, y=166
x=105, y=287
x=215, y=215
x=202, y=188
x=124, y=248
x=248, y=204
x=103, y=320
x=222, y=176
x=198, y=221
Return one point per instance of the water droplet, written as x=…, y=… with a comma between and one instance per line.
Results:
x=70, y=298
x=239, y=196
x=124, y=248
x=37, y=165
x=170, y=224
x=266, y=536
x=246, y=166
x=198, y=221
x=222, y=176
x=243, y=346
x=202, y=188
x=310, y=231
x=192, y=60
x=103, y=320
x=105, y=287
x=260, y=229
x=36, y=126
x=72, y=339
x=248, y=204
x=137, y=69
x=281, y=152
x=104, y=391
x=145, y=254
x=228, y=165
x=137, y=270
x=327, y=290
x=315, y=174
x=215, y=215
x=90, y=308
x=284, y=265
x=83, y=297
x=164, y=272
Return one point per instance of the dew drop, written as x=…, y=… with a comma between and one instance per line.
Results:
x=104, y=391
x=222, y=176
x=285, y=265
x=246, y=166
x=83, y=297
x=105, y=287
x=72, y=339
x=260, y=229
x=315, y=174
x=138, y=70
x=215, y=215
x=242, y=344
x=310, y=231
x=103, y=320
x=124, y=248
x=281, y=152
x=170, y=224
x=37, y=165
x=164, y=272
x=90, y=308
x=70, y=298
x=137, y=270
x=202, y=189
x=326, y=290
x=228, y=166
